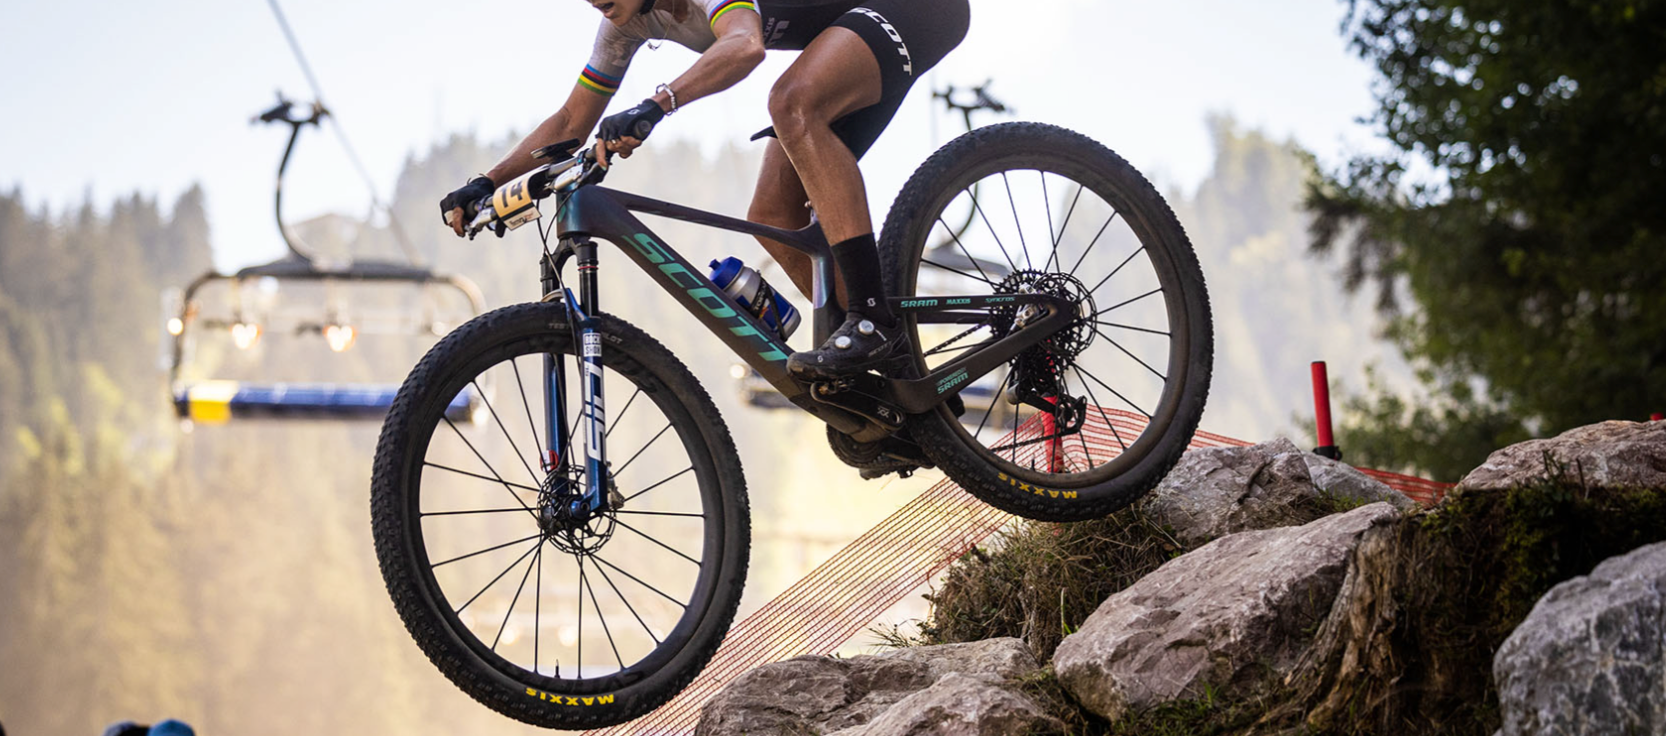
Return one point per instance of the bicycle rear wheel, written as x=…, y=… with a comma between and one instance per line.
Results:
x=1094, y=417
x=554, y=619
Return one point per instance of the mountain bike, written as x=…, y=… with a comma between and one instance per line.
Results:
x=574, y=567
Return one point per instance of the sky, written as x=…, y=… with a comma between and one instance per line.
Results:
x=106, y=99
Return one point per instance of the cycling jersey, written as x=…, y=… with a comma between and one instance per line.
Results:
x=907, y=37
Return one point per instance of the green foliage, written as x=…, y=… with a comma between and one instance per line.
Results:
x=1043, y=580
x=1520, y=211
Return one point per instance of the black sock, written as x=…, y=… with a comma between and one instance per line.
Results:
x=858, y=262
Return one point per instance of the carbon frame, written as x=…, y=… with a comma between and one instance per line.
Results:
x=606, y=214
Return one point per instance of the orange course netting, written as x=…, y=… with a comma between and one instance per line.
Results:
x=822, y=611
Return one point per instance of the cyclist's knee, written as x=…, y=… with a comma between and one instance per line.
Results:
x=795, y=108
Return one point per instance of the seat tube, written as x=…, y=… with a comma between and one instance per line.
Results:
x=594, y=430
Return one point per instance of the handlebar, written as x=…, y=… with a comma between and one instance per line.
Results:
x=541, y=182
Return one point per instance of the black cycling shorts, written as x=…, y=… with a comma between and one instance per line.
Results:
x=908, y=38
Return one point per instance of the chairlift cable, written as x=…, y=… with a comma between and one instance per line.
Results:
x=341, y=134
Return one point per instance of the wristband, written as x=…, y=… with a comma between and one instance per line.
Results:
x=668, y=93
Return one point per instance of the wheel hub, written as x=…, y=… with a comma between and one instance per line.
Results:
x=1041, y=369
x=567, y=522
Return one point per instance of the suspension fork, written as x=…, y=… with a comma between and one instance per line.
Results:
x=593, y=420
x=588, y=359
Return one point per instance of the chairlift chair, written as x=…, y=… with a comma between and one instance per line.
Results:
x=248, y=313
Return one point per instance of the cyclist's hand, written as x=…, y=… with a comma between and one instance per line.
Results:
x=458, y=207
x=606, y=149
x=623, y=132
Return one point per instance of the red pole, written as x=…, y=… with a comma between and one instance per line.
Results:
x=1321, y=413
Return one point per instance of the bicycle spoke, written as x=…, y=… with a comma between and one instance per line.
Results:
x=537, y=607
x=605, y=630
x=1130, y=301
x=1118, y=268
x=948, y=349
x=1136, y=358
x=956, y=271
x=1130, y=327
x=992, y=404
x=525, y=404
x=979, y=209
x=1058, y=238
x=1047, y=206
x=472, y=511
x=438, y=565
x=659, y=513
x=1022, y=243
x=617, y=419
x=580, y=559
x=499, y=421
x=638, y=580
x=638, y=454
x=628, y=606
x=482, y=458
x=656, y=485
x=1114, y=392
x=477, y=476
x=1101, y=409
x=500, y=575
x=963, y=250
x=668, y=547
x=1082, y=437
x=1026, y=443
x=517, y=599
x=1095, y=242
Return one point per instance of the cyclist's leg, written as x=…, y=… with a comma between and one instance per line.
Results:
x=828, y=109
x=779, y=201
x=835, y=76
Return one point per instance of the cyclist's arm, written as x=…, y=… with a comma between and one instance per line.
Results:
x=574, y=120
x=738, y=50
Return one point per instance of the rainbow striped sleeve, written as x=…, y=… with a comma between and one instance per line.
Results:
x=595, y=81
x=728, y=5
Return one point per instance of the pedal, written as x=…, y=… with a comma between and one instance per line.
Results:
x=859, y=394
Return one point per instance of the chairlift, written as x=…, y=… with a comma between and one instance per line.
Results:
x=338, y=302
x=981, y=395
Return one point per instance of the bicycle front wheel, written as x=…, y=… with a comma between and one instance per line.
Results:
x=1093, y=417
x=552, y=617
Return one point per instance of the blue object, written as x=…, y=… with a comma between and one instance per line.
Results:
x=216, y=402
x=172, y=727
x=748, y=287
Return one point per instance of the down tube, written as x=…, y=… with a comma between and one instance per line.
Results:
x=756, y=344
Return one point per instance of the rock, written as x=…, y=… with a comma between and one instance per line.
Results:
x=814, y=694
x=1217, y=491
x=960, y=704
x=1610, y=455
x=1343, y=481
x=1589, y=658
x=1233, y=615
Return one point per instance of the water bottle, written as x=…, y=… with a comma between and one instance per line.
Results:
x=748, y=287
